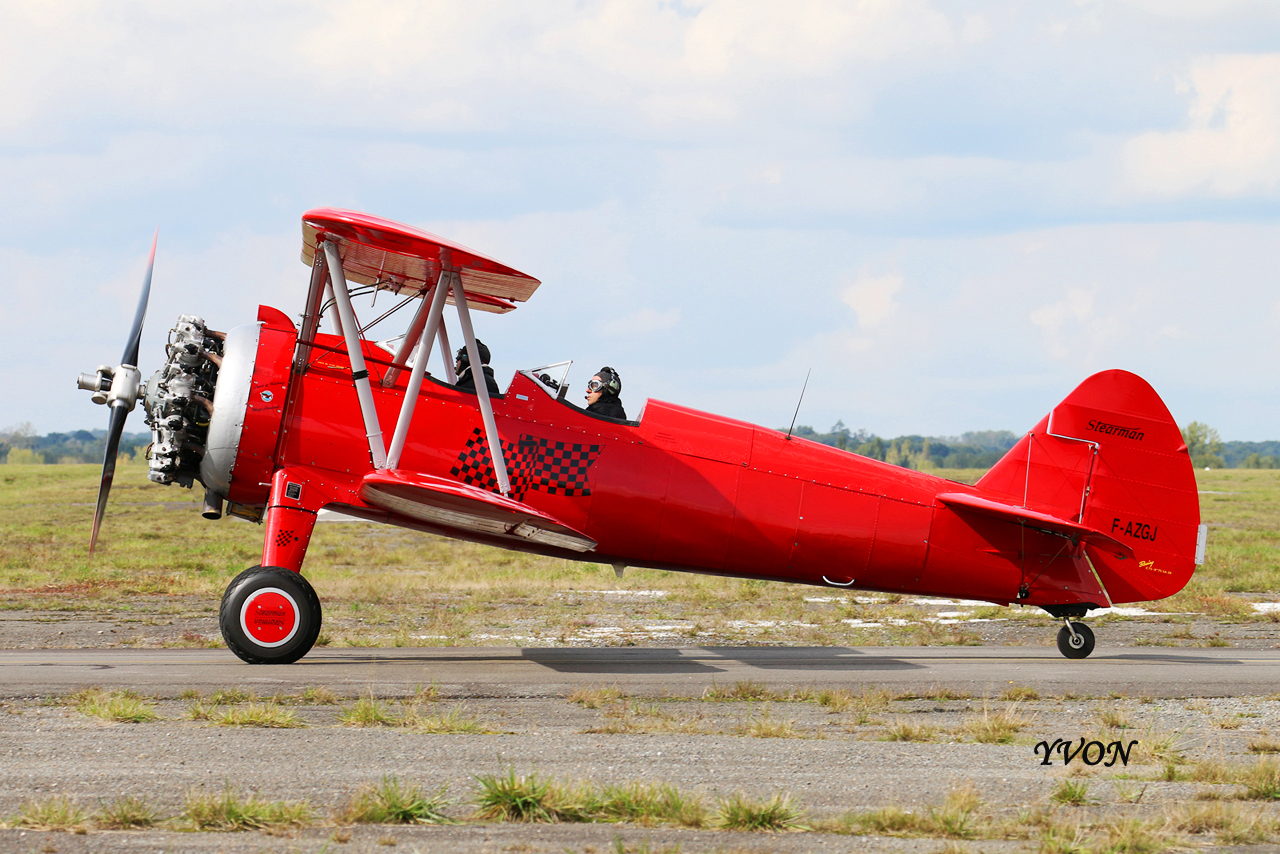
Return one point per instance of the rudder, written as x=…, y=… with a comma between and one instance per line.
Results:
x=1111, y=457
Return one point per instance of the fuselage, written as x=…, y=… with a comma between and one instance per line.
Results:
x=677, y=489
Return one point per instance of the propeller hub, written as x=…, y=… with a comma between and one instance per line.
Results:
x=126, y=386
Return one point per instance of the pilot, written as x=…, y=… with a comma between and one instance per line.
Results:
x=462, y=367
x=602, y=394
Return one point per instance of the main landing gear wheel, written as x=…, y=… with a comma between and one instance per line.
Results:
x=1077, y=645
x=269, y=615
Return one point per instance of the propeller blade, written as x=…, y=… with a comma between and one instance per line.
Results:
x=118, y=414
x=135, y=335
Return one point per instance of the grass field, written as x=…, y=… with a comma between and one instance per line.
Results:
x=387, y=586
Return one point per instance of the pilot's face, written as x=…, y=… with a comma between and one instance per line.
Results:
x=593, y=396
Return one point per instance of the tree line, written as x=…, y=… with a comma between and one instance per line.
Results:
x=21, y=446
x=973, y=450
x=981, y=449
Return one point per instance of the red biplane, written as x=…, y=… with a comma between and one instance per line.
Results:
x=1095, y=506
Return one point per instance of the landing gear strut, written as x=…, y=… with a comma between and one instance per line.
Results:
x=269, y=615
x=1075, y=640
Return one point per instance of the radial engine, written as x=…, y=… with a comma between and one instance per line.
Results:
x=179, y=401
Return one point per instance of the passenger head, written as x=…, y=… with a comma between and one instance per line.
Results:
x=463, y=361
x=605, y=383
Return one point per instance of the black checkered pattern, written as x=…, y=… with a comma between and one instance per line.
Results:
x=556, y=468
x=474, y=465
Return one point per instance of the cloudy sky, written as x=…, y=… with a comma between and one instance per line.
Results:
x=951, y=212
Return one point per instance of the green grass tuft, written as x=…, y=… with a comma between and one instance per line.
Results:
x=121, y=706
x=56, y=812
x=232, y=811
x=394, y=802
x=455, y=722
x=368, y=712
x=265, y=715
x=779, y=812
x=531, y=798
x=1073, y=792
x=651, y=803
x=127, y=813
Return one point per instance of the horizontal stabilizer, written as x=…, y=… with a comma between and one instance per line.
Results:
x=451, y=504
x=1041, y=521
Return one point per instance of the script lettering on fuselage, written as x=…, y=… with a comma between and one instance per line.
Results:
x=1106, y=429
x=1135, y=529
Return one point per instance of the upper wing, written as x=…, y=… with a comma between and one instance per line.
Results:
x=451, y=504
x=401, y=258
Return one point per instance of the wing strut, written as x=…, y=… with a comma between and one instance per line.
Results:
x=482, y=387
x=359, y=373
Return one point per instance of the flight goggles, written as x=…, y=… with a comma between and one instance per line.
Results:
x=595, y=385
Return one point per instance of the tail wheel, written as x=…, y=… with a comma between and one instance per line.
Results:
x=269, y=615
x=1077, y=645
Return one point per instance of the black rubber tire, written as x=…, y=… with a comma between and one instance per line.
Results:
x=1076, y=647
x=242, y=588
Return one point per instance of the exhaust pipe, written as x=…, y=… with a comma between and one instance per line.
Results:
x=212, y=505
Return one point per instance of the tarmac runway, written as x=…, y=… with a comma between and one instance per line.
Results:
x=545, y=672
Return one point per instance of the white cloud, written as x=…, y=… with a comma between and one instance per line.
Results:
x=1067, y=322
x=1232, y=144
x=872, y=298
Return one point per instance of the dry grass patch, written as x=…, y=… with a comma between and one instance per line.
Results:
x=1230, y=823
x=598, y=697
x=905, y=730
x=56, y=812
x=1020, y=693
x=318, y=695
x=1261, y=781
x=651, y=718
x=1134, y=835
x=745, y=689
x=121, y=706
x=368, y=712
x=264, y=715
x=453, y=722
x=232, y=811
x=999, y=727
x=1157, y=747
x=956, y=818
x=231, y=696
x=1113, y=718
x=943, y=693
x=1212, y=771
x=1264, y=745
x=836, y=701
x=764, y=725
x=651, y=803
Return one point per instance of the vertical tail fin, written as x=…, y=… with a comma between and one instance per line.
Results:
x=1111, y=457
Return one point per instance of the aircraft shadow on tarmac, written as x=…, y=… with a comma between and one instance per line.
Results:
x=703, y=659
